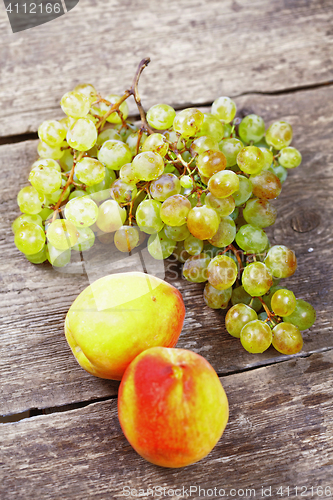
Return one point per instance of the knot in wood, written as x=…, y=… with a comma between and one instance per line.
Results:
x=305, y=221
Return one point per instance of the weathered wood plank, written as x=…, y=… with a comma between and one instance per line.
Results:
x=36, y=363
x=199, y=50
x=279, y=434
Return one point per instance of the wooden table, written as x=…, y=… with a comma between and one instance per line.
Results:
x=63, y=439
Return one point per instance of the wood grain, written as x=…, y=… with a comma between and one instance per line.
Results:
x=278, y=435
x=199, y=50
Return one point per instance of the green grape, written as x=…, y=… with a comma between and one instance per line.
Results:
x=45, y=213
x=67, y=122
x=195, y=268
x=279, y=135
x=222, y=272
x=24, y=219
x=244, y=191
x=281, y=261
x=211, y=127
x=204, y=143
x=256, y=336
x=265, y=185
x=251, y=160
x=49, y=152
x=175, y=210
x=230, y=148
x=123, y=108
x=223, y=184
x=251, y=239
x=290, y=157
x=203, y=222
x=237, y=317
x=30, y=200
x=114, y=154
x=180, y=253
x=62, y=234
x=268, y=156
x=177, y=233
x=56, y=257
x=165, y=186
x=82, y=135
x=268, y=296
x=283, y=302
x=210, y=162
x=192, y=245
x=256, y=279
x=240, y=296
x=263, y=316
x=110, y=216
x=223, y=206
x=126, y=238
x=148, y=166
x=77, y=193
x=39, y=257
x=224, y=109
x=216, y=299
x=225, y=234
x=88, y=90
x=52, y=132
x=303, y=316
x=85, y=240
x=280, y=172
x=259, y=213
x=122, y=192
x=81, y=211
x=126, y=173
x=48, y=162
x=46, y=180
x=234, y=215
x=89, y=171
x=30, y=238
x=66, y=161
x=287, y=338
x=186, y=182
x=132, y=142
x=106, y=135
x=160, y=246
x=161, y=116
x=148, y=216
x=188, y=122
x=228, y=131
x=156, y=143
x=100, y=192
x=251, y=128
x=75, y=104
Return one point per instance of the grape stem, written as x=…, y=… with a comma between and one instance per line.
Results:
x=270, y=315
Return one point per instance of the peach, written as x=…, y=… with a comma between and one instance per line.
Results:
x=119, y=316
x=171, y=406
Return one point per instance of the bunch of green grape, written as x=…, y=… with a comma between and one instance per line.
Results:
x=196, y=185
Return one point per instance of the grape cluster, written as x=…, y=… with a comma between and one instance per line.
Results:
x=197, y=185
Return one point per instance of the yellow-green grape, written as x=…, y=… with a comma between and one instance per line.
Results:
x=85, y=240
x=132, y=142
x=30, y=200
x=24, y=219
x=39, y=257
x=287, y=338
x=110, y=216
x=45, y=213
x=222, y=272
x=223, y=184
x=268, y=297
x=283, y=302
x=81, y=211
x=156, y=143
x=89, y=171
x=101, y=192
x=56, y=257
x=175, y=139
x=203, y=222
x=237, y=317
x=195, y=268
x=281, y=261
x=228, y=131
x=266, y=185
x=186, y=182
x=223, y=206
x=211, y=127
x=148, y=216
x=192, y=245
x=256, y=279
x=251, y=160
x=67, y=121
x=75, y=104
x=52, y=198
x=290, y=157
x=78, y=193
x=176, y=233
x=204, y=143
x=148, y=166
x=160, y=246
x=240, y=296
x=268, y=157
x=259, y=213
x=88, y=90
x=251, y=128
x=210, y=162
x=280, y=172
x=188, y=122
x=225, y=234
x=126, y=173
x=126, y=238
x=230, y=148
x=175, y=209
x=107, y=135
x=30, y=238
x=114, y=154
x=256, y=336
x=45, y=151
x=123, y=108
x=62, y=234
x=52, y=132
x=82, y=135
x=224, y=109
x=303, y=316
x=47, y=162
x=66, y=161
x=279, y=135
x=243, y=192
x=216, y=299
x=161, y=116
x=46, y=180
x=122, y=192
x=251, y=239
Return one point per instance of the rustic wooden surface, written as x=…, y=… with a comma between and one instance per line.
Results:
x=280, y=430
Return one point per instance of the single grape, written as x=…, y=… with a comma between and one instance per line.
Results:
x=256, y=336
x=66, y=161
x=230, y=148
x=50, y=152
x=216, y=299
x=123, y=108
x=224, y=109
x=279, y=135
x=122, y=192
x=107, y=135
x=148, y=216
x=240, y=296
x=251, y=128
x=188, y=122
x=251, y=239
x=303, y=316
x=114, y=154
x=148, y=166
x=223, y=206
x=110, y=216
x=47, y=162
x=259, y=213
x=45, y=213
x=132, y=142
x=176, y=233
x=24, y=219
x=160, y=246
x=222, y=272
x=223, y=184
x=211, y=127
x=244, y=191
x=126, y=173
x=52, y=132
x=237, y=317
x=281, y=261
x=82, y=135
x=156, y=143
x=280, y=172
x=77, y=193
x=175, y=210
x=126, y=238
x=62, y=234
x=203, y=222
x=210, y=162
x=283, y=302
x=256, y=279
x=161, y=116
x=165, y=186
x=290, y=157
x=251, y=160
x=268, y=156
x=265, y=185
x=56, y=257
x=228, y=131
x=75, y=104
x=89, y=171
x=30, y=200
x=39, y=257
x=268, y=296
x=195, y=268
x=46, y=180
x=287, y=338
x=192, y=245
x=204, y=143
x=88, y=90
x=225, y=234
x=81, y=211
x=86, y=239
x=30, y=238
